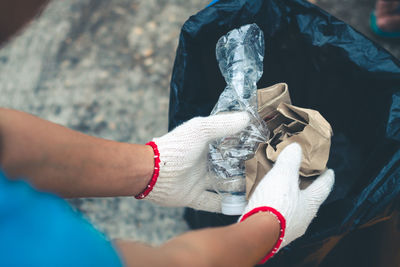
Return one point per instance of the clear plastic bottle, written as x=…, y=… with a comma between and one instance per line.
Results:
x=240, y=55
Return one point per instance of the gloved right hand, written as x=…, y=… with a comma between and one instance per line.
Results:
x=183, y=179
x=279, y=193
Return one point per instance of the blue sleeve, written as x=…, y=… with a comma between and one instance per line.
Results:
x=40, y=229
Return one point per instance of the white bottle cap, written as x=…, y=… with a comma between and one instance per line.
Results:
x=233, y=205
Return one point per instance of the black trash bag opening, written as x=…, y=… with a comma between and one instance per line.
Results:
x=330, y=67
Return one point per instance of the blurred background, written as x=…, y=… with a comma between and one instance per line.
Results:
x=103, y=68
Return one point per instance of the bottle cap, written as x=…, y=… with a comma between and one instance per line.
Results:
x=233, y=205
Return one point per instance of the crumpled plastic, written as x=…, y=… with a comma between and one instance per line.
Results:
x=330, y=67
x=240, y=55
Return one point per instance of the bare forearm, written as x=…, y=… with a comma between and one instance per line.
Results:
x=242, y=244
x=70, y=163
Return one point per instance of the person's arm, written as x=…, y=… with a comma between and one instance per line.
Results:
x=69, y=163
x=242, y=244
x=73, y=164
x=31, y=218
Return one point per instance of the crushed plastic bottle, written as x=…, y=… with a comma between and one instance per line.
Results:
x=240, y=55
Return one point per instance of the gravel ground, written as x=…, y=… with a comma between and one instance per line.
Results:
x=103, y=68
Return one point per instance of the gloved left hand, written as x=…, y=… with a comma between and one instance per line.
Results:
x=279, y=193
x=183, y=177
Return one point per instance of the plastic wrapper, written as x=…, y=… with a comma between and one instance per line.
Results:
x=240, y=55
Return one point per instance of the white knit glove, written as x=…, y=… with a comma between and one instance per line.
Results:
x=279, y=190
x=183, y=179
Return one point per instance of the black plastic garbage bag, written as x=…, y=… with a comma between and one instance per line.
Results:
x=329, y=67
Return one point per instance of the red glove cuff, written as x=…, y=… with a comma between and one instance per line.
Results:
x=282, y=223
x=156, y=172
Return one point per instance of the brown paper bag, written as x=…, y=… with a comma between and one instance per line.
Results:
x=269, y=99
x=291, y=124
x=308, y=128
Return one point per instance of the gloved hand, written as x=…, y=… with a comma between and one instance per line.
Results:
x=183, y=152
x=279, y=193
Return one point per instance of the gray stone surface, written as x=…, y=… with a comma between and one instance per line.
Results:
x=103, y=68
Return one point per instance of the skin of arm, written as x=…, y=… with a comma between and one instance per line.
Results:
x=71, y=164
x=242, y=244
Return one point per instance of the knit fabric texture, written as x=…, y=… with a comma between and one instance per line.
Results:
x=183, y=178
x=280, y=190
